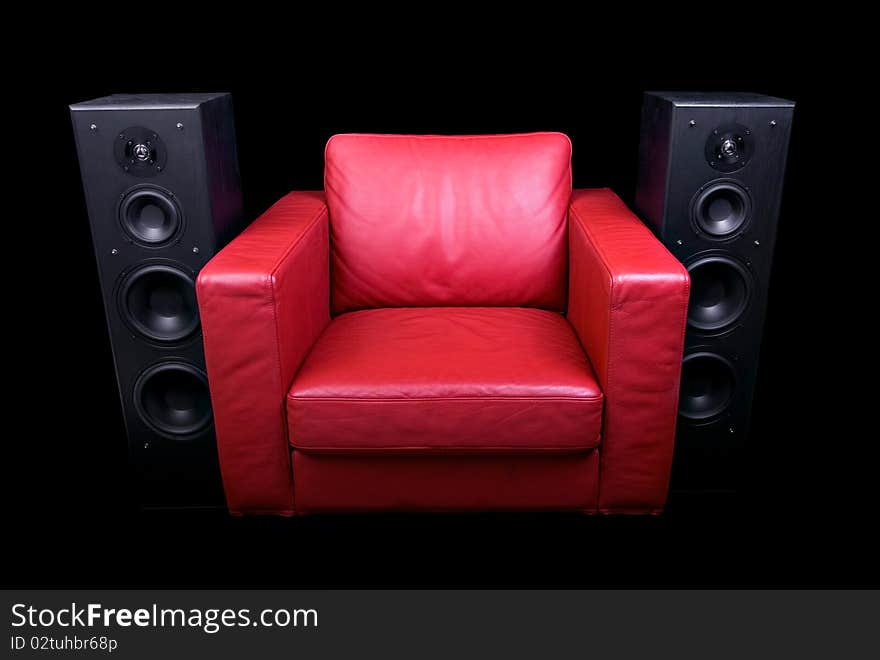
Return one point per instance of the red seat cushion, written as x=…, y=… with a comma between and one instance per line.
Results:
x=446, y=380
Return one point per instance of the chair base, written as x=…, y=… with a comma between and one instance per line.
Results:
x=339, y=483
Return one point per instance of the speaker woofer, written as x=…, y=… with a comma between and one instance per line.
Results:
x=720, y=291
x=158, y=301
x=150, y=215
x=172, y=398
x=708, y=382
x=721, y=209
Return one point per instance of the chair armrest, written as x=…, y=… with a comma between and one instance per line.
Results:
x=263, y=301
x=628, y=300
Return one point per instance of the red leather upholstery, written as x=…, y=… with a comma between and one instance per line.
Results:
x=263, y=300
x=425, y=221
x=446, y=483
x=451, y=389
x=628, y=303
x=446, y=380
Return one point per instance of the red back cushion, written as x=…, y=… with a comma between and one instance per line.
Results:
x=430, y=221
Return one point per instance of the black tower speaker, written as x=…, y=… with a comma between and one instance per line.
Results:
x=161, y=181
x=711, y=167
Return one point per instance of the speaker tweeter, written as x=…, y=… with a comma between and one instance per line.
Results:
x=140, y=151
x=729, y=147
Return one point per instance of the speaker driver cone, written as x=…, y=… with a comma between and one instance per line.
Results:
x=159, y=301
x=150, y=215
x=707, y=385
x=721, y=209
x=172, y=398
x=720, y=292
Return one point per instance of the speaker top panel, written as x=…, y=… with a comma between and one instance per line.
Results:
x=721, y=99
x=148, y=101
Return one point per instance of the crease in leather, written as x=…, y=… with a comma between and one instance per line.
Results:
x=291, y=249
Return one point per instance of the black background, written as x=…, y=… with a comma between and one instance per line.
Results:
x=796, y=521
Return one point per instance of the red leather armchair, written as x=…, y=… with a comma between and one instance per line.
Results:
x=448, y=326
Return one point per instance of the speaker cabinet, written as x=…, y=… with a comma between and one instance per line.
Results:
x=711, y=168
x=161, y=181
